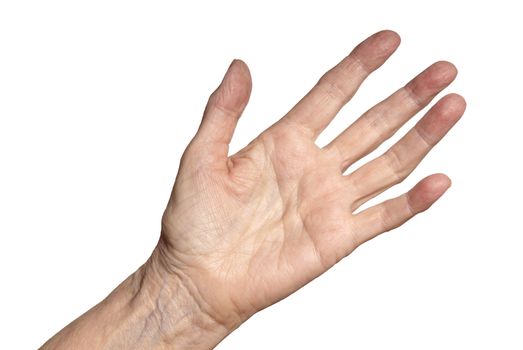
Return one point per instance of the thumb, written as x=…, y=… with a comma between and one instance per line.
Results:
x=223, y=110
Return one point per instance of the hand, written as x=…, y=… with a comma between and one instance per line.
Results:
x=241, y=232
x=244, y=231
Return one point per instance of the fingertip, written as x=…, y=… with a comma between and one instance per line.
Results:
x=394, y=37
x=432, y=80
x=451, y=67
x=238, y=69
x=458, y=102
x=224, y=107
x=444, y=72
x=450, y=107
x=376, y=49
x=439, y=182
x=428, y=191
x=387, y=40
x=241, y=66
x=235, y=89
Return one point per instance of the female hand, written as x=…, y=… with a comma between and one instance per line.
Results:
x=242, y=231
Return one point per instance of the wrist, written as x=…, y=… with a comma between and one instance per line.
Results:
x=151, y=309
x=176, y=316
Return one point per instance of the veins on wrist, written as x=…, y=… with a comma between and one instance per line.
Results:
x=176, y=312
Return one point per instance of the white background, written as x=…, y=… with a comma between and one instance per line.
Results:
x=99, y=98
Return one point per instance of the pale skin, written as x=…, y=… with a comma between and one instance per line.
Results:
x=243, y=231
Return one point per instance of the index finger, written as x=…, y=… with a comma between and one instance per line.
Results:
x=337, y=86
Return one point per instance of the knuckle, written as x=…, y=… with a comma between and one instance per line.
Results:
x=395, y=166
x=329, y=85
x=386, y=219
x=424, y=137
x=413, y=96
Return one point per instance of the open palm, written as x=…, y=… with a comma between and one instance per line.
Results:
x=244, y=231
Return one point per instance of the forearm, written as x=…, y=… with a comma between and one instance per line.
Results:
x=149, y=310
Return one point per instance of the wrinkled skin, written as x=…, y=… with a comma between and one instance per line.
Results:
x=243, y=231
